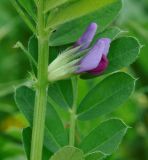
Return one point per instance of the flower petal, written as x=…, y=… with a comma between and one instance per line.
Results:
x=92, y=60
x=101, y=67
x=107, y=42
x=87, y=37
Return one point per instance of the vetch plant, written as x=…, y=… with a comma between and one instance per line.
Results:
x=66, y=46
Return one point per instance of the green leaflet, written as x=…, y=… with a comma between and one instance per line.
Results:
x=55, y=137
x=105, y=138
x=123, y=52
x=61, y=93
x=107, y=95
x=76, y=9
x=102, y=16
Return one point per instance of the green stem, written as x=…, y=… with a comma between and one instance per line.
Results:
x=41, y=89
x=73, y=113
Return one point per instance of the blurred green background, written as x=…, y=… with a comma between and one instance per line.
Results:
x=14, y=68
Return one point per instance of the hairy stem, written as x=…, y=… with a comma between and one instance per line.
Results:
x=73, y=113
x=42, y=87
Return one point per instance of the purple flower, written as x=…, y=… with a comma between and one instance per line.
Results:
x=73, y=61
x=95, y=61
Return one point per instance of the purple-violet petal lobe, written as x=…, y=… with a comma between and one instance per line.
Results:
x=93, y=58
x=101, y=67
x=92, y=61
x=107, y=42
x=87, y=37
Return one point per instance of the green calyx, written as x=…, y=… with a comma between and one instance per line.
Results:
x=65, y=65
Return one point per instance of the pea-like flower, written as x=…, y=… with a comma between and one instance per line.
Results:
x=80, y=58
